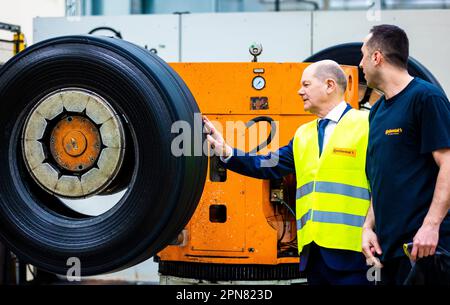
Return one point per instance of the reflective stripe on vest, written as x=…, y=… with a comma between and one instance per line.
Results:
x=305, y=189
x=333, y=188
x=331, y=217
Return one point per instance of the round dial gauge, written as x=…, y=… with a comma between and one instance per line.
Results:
x=259, y=82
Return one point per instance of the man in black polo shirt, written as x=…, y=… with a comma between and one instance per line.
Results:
x=408, y=159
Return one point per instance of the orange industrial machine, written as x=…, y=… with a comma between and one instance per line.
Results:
x=243, y=228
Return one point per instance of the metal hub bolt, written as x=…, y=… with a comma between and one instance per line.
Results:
x=76, y=143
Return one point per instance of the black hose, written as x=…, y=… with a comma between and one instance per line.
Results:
x=288, y=207
x=272, y=133
x=106, y=28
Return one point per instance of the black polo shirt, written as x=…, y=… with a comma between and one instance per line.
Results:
x=404, y=131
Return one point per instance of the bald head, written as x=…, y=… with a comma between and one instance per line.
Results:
x=322, y=87
x=329, y=69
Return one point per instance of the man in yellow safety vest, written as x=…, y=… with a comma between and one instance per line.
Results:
x=328, y=156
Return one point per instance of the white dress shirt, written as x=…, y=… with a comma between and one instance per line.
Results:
x=334, y=115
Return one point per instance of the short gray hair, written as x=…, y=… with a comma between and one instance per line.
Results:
x=330, y=69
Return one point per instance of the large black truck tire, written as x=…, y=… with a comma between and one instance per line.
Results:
x=124, y=100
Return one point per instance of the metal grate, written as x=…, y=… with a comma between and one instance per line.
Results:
x=227, y=272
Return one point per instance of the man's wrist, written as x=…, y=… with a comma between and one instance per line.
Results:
x=432, y=222
x=227, y=155
x=228, y=151
x=367, y=227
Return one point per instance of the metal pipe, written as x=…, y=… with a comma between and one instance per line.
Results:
x=315, y=5
x=10, y=27
x=97, y=7
x=148, y=6
x=215, y=6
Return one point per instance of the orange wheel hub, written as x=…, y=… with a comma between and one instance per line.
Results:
x=75, y=143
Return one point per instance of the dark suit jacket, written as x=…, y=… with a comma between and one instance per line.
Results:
x=250, y=165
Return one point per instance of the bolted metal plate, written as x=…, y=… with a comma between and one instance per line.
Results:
x=110, y=133
x=51, y=106
x=35, y=127
x=99, y=178
x=98, y=111
x=46, y=175
x=60, y=177
x=34, y=152
x=108, y=159
x=75, y=101
x=91, y=179
x=69, y=186
x=75, y=143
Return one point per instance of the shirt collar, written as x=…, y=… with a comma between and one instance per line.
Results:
x=336, y=113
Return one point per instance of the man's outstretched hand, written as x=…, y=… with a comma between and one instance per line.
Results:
x=215, y=138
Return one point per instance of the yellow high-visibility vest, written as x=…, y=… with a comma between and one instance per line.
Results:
x=332, y=190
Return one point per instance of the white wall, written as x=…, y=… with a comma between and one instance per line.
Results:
x=22, y=12
x=428, y=32
x=118, y=7
x=160, y=32
x=286, y=36
x=226, y=37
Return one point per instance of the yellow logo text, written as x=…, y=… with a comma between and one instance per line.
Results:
x=345, y=152
x=395, y=131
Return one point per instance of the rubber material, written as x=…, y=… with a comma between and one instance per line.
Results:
x=163, y=190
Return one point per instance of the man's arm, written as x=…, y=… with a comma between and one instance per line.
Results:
x=271, y=166
x=426, y=239
x=370, y=244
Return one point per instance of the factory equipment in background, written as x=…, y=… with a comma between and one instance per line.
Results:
x=72, y=115
x=244, y=229
x=10, y=47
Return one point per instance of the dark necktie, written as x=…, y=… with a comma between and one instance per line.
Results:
x=321, y=131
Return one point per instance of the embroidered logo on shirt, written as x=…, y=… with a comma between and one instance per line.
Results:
x=392, y=132
x=345, y=152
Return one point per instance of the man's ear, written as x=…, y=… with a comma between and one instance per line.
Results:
x=331, y=85
x=377, y=57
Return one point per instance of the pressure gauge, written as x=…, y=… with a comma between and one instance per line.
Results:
x=259, y=82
